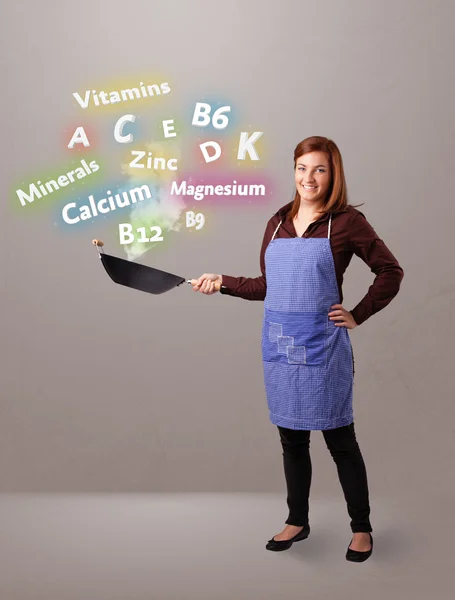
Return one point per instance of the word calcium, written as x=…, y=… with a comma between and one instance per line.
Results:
x=105, y=205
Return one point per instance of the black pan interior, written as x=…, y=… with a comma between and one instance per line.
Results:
x=139, y=277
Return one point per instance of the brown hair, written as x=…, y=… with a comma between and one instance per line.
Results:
x=337, y=194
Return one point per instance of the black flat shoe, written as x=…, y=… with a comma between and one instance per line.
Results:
x=277, y=545
x=357, y=555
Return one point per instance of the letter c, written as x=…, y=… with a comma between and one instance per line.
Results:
x=123, y=139
x=65, y=210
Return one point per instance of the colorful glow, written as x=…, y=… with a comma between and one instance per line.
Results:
x=195, y=159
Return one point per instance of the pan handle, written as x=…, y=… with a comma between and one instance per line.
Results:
x=99, y=246
x=193, y=281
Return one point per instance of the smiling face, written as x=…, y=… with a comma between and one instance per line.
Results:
x=312, y=178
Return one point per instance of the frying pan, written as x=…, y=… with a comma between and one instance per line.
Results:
x=140, y=277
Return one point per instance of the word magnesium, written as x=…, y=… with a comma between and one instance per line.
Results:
x=200, y=191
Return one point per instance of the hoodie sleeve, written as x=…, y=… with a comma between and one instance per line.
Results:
x=366, y=244
x=249, y=288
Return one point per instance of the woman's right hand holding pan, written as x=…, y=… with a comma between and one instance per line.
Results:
x=208, y=283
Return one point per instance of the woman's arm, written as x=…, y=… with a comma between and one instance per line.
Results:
x=366, y=244
x=249, y=288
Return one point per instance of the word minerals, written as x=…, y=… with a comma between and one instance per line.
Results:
x=127, y=236
x=39, y=189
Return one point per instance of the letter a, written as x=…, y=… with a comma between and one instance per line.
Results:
x=79, y=137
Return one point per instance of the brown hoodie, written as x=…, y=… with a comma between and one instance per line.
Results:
x=350, y=234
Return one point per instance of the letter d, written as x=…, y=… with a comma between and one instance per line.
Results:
x=214, y=145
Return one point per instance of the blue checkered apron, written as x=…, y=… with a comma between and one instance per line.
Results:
x=307, y=359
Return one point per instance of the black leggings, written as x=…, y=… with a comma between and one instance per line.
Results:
x=345, y=451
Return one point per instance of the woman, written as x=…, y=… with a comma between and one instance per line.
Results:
x=307, y=354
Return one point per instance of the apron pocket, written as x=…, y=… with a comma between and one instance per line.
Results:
x=275, y=330
x=300, y=339
x=296, y=355
x=284, y=343
x=316, y=353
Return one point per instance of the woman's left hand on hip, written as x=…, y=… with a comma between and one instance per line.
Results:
x=342, y=317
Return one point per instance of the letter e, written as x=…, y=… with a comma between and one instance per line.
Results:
x=168, y=129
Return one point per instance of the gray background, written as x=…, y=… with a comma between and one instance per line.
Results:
x=106, y=390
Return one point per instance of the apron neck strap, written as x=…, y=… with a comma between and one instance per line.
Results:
x=330, y=226
x=276, y=230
